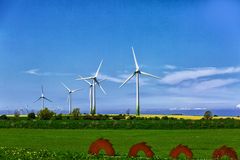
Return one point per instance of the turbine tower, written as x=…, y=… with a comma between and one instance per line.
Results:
x=92, y=93
x=90, y=96
x=70, y=92
x=43, y=98
x=137, y=73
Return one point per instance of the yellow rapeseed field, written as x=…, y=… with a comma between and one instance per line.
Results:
x=185, y=116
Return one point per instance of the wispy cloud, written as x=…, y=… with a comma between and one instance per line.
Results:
x=238, y=106
x=170, y=67
x=180, y=76
x=215, y=83
x=32, y=72
x=187, y=108
x=111, y=78
x=36, y=72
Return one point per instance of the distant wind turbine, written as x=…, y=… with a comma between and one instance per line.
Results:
x=70, y=96
x=92, y=92
x=136, y=73
x=43, y=98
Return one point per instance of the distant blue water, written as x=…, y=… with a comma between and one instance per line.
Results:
x=219, y=112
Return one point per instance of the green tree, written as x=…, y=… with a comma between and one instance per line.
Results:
x=76, y=113
x=31, y=115
x=16, y=114
x=45, y=114
x=208, y=115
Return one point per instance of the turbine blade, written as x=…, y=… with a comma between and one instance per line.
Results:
x=102, y=80
x=65, y=87
x=135, y=59
x=150, y=75
x=98, y=68
x=84, y=78
x=76, y=90
x=37, y=100
x=101, y=87
x=42, y=89
x=127, y=79
x=47, y=99
x=79, y=78
x=87, y=82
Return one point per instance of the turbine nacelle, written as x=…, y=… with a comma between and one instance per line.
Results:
x=137, y=71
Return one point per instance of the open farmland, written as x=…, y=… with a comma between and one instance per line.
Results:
x=202, y=142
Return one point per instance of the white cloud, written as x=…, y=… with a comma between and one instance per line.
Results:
x=170, y=67
x=238, y=106
x=110, y=78
x=36, y=72
x=187, y=108
x=215, y=83
x=32, y=71
x=180, y=76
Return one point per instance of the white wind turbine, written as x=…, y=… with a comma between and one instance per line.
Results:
x=70, y=92
x=43, y=98
x=92, y=92
x=136, y=73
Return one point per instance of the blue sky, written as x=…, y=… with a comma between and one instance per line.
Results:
x=194, y=46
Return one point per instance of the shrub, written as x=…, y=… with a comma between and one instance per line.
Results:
x=58, y=117
x=76, y=113
x=128, y=112
x=95, y=117
x=3, y=117
x=131, y=118
x=118, y=117
x=45, y=114
x=208, y=115
x=17, y=114
x=31, y=115
x=156, y=118
x=165, y=118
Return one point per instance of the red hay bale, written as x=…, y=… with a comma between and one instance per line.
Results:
x=140, y=147
x=175, y=152
x=101, y=144
x=225, y=151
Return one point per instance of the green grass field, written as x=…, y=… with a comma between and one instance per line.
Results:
x=202, y=142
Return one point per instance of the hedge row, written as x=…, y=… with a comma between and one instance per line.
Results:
x=122, y=124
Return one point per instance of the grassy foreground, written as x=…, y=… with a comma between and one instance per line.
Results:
x=202, y=142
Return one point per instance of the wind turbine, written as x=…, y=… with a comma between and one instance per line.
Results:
x=43, y=99
x=70, y=96
x=92, y=92
x=137, y=73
